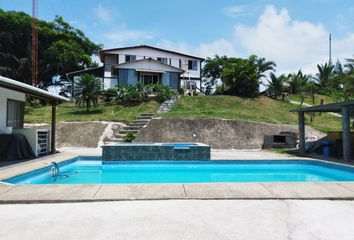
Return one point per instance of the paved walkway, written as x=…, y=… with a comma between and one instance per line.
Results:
x=169, y=220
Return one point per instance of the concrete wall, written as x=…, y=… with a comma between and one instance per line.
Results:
x=218, y=133
x=4, y=95
x=77, y=134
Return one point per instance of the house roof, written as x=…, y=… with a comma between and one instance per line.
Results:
x=30, y=90
x=147, y=46
x=86, y=70
x=332, y=107
x=148, y=60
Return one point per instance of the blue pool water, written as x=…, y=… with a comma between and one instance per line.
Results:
x=94, y=171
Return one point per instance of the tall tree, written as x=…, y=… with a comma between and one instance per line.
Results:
x=324, y=75
x=241, y=78
x=62, y=48
x=298, y=81
x=262, y=65
x=276, y=84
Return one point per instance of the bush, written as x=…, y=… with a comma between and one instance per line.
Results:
x=219, y=90
x=129, y=137
x=132, y=94
x=110, y=94
x=163, y=92
x=181, y=91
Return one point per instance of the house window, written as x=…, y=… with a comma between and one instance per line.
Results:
x=15, y=113
x=162, y=60
x=130, y=58
x=193, y=65
x=149, y=78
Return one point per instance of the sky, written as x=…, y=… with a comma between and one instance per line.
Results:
x=293, y=33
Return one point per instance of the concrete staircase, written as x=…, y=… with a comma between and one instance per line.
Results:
x=167, y=105
x=143, y=120
x=133, y=127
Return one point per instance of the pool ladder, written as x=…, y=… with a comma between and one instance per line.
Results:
x=54, y=170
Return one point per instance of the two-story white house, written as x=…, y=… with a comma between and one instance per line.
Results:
x=147, y=65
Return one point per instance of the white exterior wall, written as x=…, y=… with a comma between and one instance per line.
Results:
x=4, y=95
x=148, y=66
x=152, y=53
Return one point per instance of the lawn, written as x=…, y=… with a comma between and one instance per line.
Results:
x=262, y=109
x=68, y=112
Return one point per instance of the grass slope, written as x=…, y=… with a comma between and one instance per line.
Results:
x=262, y=109
x=70, y=113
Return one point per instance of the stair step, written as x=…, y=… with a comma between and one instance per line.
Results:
x=147, y=114
x=138, y=125
x=144, y=118
x=132, y=128
x=128, y=131
x=119, y=135
x=145, y=121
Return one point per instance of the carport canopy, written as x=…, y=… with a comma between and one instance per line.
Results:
x=344, y=108
x=39, y=93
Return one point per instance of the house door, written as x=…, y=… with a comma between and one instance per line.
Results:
x=149, y=78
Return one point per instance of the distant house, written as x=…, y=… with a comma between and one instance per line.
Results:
x=147, y=65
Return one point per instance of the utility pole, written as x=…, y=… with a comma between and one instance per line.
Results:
x=330, y=50
x=34, y=50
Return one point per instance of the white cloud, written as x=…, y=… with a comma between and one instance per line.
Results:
x=234, y=10
x=218, y=47
x=123, y=35
x=102, y=13
x=293, y=44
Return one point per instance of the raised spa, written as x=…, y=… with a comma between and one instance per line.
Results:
x=155, y=151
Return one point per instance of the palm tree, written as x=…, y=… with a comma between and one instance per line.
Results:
x=297, y=81
x=262, y=65
x=276, y=84
x=89, y=90
x=325, y=75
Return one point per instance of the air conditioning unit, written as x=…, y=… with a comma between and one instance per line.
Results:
x=39, y=139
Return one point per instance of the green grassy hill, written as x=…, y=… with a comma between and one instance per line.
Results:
x=262, y=109
x=68, y=112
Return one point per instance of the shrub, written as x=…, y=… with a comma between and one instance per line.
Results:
x=110, y=94
x=89, y=90
x=181, y=91
x=132, y=94
x=129, y=137
x=163, y=92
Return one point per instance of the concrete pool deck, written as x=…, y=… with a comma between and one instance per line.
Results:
x=121, y=192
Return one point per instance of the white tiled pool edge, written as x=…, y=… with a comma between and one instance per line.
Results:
x=208, y=191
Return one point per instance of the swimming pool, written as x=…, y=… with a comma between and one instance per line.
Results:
x=93, y=170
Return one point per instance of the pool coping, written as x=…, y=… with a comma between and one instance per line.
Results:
x=11, y=194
